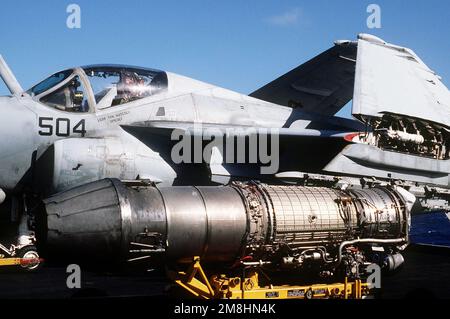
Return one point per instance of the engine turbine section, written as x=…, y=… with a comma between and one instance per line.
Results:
x=278, y=227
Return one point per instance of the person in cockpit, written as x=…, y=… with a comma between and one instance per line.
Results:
x=130, y=87
x=73, y=97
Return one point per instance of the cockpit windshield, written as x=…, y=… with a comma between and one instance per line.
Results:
x=49, y=82
x=111, y=85
x=115, y=85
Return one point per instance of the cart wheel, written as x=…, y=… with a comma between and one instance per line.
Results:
x=309, y=294
x=29, y=252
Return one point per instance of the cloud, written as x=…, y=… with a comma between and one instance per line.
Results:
x=287, y=18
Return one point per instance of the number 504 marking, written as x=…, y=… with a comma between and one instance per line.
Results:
x=60, y=127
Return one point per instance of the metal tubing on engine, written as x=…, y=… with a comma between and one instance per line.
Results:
x=368, y=241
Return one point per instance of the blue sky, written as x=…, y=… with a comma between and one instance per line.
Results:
x=240, y=45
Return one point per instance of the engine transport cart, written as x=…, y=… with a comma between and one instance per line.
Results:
x=195, y=282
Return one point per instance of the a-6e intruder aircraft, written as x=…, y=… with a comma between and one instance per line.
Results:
x=92, y=122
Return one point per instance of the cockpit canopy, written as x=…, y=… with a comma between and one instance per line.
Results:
x=98, y=86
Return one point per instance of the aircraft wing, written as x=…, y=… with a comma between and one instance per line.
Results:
x=393, y=79
x=387, y=79
x=165, y=128
x=299, y=149
x=395, y=90
x=322, y=85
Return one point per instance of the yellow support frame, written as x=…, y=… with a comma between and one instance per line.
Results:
x=223, y=287
x=13, y=261
x=10, y=261
x=198, y=287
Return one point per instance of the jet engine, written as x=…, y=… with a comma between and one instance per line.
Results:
x=278, y=227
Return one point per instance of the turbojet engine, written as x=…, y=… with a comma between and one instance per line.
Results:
x=276, y=227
